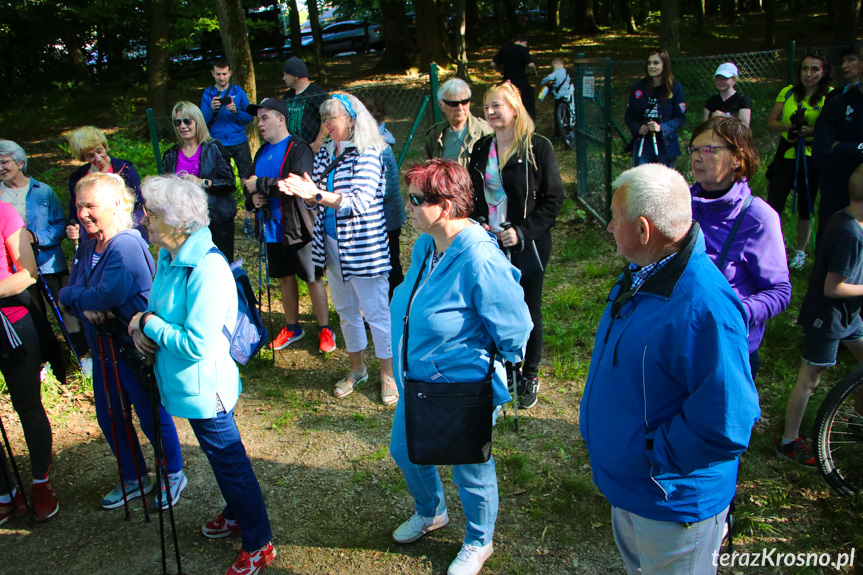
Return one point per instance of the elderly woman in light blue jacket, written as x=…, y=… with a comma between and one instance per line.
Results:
x=194, y=295
x=468, y=301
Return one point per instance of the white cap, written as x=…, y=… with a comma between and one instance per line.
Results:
x=727, y=70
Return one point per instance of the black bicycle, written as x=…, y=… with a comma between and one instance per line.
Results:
x=838, y=435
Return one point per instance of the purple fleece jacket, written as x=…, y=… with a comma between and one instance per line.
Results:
x=755, y=265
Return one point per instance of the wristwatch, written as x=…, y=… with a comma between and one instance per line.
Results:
x=208, y=184
x=319, y=197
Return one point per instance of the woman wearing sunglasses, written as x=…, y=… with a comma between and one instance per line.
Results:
x=350, y=237
x=519, y=192
x=742, y=234
x=207, y=163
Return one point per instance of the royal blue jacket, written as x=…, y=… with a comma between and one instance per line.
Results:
x=227, y=127
x=669, y=402
x=670, y=115
x=120, y=282
x=46, y=221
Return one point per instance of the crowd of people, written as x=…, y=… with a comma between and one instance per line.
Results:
x=706, y=270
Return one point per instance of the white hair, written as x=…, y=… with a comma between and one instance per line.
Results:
x=660, y=194
x=14, y=151
x=365, y=133
x=181, y=203
x=450, y=87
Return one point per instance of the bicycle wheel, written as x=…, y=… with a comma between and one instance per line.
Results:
x=838, y=435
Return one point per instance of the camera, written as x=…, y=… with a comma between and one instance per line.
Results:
x=225, y=101
x=797, y=120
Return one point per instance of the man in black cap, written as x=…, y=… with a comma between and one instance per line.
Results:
x=287, y=223
x=304, y=101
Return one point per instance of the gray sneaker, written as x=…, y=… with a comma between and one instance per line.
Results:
x=115, y=498
x=798, y=261
x=178, y=482
x=417, y=526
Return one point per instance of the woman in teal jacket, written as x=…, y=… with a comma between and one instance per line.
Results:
x=467, y=303
x=193, y=296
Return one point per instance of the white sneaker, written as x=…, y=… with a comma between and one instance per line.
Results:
x=470, y=559
x=87, y=364
x=798, y=261
x=417, y=526
x=43, y=373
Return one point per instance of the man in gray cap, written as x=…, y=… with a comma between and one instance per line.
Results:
x=303, y=100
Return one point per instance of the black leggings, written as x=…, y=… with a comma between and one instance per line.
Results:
x=21, y=372
x=532, y=286
x=783, y=181
x=223, y=237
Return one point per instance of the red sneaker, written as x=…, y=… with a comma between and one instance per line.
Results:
x=328, y=340
x=286, y=338
x=795, y=451
x=15, y=508
x=221, y=527
x=45, y=504
x=251, y=563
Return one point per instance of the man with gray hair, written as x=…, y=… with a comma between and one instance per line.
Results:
x=454, y=137
x=669, y=402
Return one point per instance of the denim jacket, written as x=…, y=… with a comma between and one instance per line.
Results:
x=46, y=221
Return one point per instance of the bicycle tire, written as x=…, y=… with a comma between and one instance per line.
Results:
x=838, y=435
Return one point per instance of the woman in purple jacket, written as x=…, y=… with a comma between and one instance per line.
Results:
x=742, y=233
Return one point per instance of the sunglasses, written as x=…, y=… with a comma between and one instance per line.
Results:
x=457, y=103
x=180, y=121
x=416, y=199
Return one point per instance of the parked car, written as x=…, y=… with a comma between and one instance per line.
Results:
x=351, y=36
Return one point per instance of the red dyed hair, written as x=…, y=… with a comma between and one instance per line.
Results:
x=441, y=180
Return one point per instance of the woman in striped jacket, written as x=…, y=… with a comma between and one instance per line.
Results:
x=350, y=238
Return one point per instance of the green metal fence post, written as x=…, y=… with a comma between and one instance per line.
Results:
x=413, y=131
x=608, y=137
x=433, y=87
x=154, y=139
x=791, y=57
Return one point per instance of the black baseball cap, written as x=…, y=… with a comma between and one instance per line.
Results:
x=268, y=104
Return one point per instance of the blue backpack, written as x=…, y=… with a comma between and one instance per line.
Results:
x=249, y=335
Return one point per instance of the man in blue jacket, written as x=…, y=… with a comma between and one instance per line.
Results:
x=224, y=107
x=669, y=402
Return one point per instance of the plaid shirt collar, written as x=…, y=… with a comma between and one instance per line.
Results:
x=641, y=275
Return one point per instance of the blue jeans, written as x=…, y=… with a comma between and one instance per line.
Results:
x=477, y=485
x=651, y=547
x=220, y=440
x=140, y=399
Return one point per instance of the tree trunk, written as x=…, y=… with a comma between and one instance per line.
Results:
x=158, y=58
x=430, y=44
x=628, y=17
x=731, y=12
x=235, y=39
x=317, y=35
x=296, y=30
x=512, y=24
x=75, y=49
x=669, y=26
x=769, y=24
x=472, y=27
x=460, y=46
x=552, y=20
x=698, y=7
x=847, y=14
x=500, y=21
x=640, y=12
x=397, y=36
x=586, y=19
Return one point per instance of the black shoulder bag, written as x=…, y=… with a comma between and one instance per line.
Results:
x=446, y=423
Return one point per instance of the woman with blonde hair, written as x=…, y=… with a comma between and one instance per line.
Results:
x=206, y=163
x=519, y=191
x=111, y=278
x=89, y=144
x=350, y=238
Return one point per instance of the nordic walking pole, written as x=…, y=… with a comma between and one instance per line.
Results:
x=59, y=317
x=14, y=470
x=111, y=418
x=262, y=255
x=131, y=436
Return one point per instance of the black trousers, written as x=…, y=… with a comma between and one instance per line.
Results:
x=397, y=276
x=223, y=237
x=532, y=286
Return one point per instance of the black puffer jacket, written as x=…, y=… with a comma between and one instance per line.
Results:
x=215, y=166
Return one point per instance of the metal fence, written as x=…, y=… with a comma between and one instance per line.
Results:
x=761, y=76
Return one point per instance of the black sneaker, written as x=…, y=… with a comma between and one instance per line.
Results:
x=528, y=393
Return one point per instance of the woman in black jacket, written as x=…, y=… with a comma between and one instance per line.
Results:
x=207, y=162
x=520, y=203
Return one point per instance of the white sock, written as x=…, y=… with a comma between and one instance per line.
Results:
x=7, y=498
x=786, y=441
x=38, y=481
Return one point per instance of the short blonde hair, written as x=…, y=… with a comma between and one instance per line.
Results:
x=189, y=110
x=84, y=139
x=558, y=64
x=110, y=187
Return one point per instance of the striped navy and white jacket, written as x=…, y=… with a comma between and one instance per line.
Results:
x=360, y=223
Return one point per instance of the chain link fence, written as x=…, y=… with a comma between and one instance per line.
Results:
x=761, y=76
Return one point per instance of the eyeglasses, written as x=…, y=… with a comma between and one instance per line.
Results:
x=180, y=121
x=417, y=200
x=622, y=304
x=330, y=118
x=704, y=151
x=457, y=103
x=149, y=214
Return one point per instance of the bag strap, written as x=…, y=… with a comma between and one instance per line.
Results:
x=730, y=239
x=407, y=318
